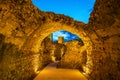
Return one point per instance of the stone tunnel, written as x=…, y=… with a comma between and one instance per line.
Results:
x=24, y=28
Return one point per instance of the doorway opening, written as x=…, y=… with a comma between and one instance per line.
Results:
x=64, y=47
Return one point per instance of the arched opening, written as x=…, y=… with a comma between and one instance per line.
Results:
x=35, y=41
x=23, y=28
x=64, y=47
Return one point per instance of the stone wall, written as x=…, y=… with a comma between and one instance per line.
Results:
x=59, y=50
x=104, y=32
x=16, y=25
x=16, y=64
x=46, y=51
x=23, y=28
x=73, y=57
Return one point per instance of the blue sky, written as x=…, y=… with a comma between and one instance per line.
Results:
x=77, y=9
x=67, y=35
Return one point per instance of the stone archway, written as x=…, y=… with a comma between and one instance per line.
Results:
x=23, y=27
x=47, y=28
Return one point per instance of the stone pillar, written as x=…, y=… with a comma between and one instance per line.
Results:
x=62, y=51
x=60, y=39
x=89, y=65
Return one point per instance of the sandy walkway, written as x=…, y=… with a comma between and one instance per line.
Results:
x=53, y=73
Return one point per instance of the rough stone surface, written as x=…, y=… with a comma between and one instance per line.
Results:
x=16, y=64
x=23, y=28
x=74, y=57
x=47, y=50
x=59, y=50
x=104, y=32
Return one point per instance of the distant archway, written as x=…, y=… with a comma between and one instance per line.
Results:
x=34, y=42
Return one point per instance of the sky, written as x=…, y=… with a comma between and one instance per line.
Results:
x=77, y=9
x=67, y=35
